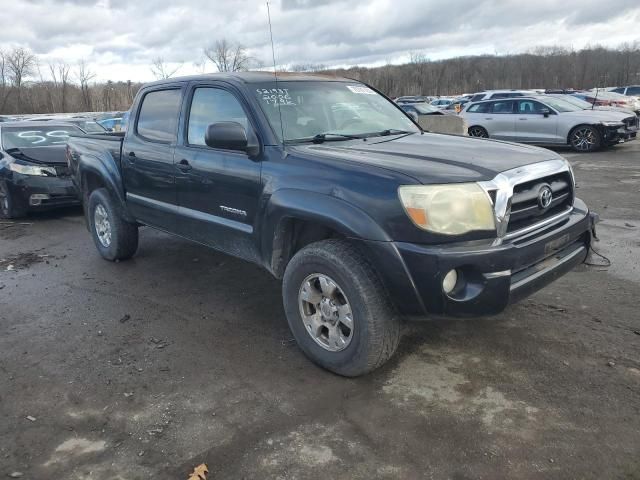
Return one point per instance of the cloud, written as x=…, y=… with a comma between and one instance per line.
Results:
x=126, y=35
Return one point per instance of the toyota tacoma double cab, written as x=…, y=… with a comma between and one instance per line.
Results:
x=332, y=188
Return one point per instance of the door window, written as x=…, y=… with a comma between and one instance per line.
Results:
x=633, y=91
x=158, y=116
x=212, y=105
x=504, y=106
x=479, y=108
x=529, y=107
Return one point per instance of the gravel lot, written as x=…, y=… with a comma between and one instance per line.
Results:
x=146, y=368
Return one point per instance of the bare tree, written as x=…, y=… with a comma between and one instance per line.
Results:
x=161, y=70
x=4, y=80
x=85, y=75
x=21, y=64
x=228, y=56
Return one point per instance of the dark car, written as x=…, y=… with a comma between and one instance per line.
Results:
x=87, y=125
x=33, y=168
x=330, y=186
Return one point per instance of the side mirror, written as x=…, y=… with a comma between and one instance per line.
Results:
x=231, y=136
x=545, y=112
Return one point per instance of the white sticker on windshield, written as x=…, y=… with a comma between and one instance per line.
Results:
x=361, y=89
x=275, y=96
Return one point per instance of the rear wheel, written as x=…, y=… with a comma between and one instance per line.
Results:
x=478, y=131
x=8, y=207
x=585, y=138
x=114, y=237
x=338, y=310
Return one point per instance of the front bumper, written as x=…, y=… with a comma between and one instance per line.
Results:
x=493, y=275
x=33, y=192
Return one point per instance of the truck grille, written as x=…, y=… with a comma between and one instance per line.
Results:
x=525, y=204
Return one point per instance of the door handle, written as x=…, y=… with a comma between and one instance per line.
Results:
x=183, y=165
x=488, y=118
x=522, y=119
x=132, y=157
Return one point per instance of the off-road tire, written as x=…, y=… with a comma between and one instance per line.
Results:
x=124, y=235
x=377, y=326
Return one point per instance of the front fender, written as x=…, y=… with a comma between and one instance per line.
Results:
x=331, y=212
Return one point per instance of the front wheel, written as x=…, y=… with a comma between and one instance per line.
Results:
x=584, y=139
x=115, y=238
x=8, y=207
x=338, y=310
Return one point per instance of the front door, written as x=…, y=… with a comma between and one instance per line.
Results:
x=533, y=126
x=218, y=190
x=147, y=159
x=502, y=121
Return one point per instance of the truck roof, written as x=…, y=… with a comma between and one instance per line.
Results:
x=255, y=77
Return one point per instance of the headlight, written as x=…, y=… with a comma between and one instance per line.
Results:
x=448, y=209
x=612, y=124
x=32, y=170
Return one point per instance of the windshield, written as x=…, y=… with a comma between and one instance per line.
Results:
x=314, y=108
x=560, y=105
x=24, y=137
x=575, y=101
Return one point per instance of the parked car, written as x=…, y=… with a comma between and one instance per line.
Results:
x=490, y=94
x=456, y=105
x=420, y=109
x=33, y=168
x=545, y=120
x=630, y=91
x=413, y=99
x=111, y=124
x=364, y=216
x=442, y=102
x=584, y=105
x=87, y=125
x=603, y=98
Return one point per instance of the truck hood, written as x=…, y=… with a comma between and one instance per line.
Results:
x=432, y=158
x=50, y=155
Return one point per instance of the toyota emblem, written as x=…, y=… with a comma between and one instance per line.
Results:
x=545, y=197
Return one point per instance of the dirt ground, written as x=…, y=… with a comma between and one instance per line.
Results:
x=146, y=368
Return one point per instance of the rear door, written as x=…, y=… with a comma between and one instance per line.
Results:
x=218, y=190
x=502, y=120
x=147, y=158
x=533, y=126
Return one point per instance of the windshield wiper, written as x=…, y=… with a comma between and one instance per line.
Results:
x=389, y=131
x=322, y=137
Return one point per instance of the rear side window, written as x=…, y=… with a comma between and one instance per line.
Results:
x=618, y=90
x=158, y=116
x=505, y=106
x=476, y=97
x=633, y=91
x=479, y=108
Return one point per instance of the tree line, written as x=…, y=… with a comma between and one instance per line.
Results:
x=28, y=86
x=543, y=67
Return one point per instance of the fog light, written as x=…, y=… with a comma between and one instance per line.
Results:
x=449, y=282
x=37, y=198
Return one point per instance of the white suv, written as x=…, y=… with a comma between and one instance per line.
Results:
x=491, y=94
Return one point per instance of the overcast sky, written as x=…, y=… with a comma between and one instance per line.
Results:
x=119, y=38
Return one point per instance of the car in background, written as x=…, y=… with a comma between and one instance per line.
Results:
x=442, y=102
x=417, y=110
x=603, y=98
x=33, y=167
x=545, y=120
x=630, y=91
x=87, y=125
x=491, y=94
x=456, y=105
x=413, y=99
x=578, y=102
x=111, y=124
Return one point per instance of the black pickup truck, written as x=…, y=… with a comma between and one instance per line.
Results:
x=331, y=187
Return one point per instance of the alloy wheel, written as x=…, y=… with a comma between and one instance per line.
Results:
x=583, y=139
x=478, y=132
x=326, y=312
x=102, y=225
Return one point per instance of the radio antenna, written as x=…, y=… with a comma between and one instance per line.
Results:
x=275, y=73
